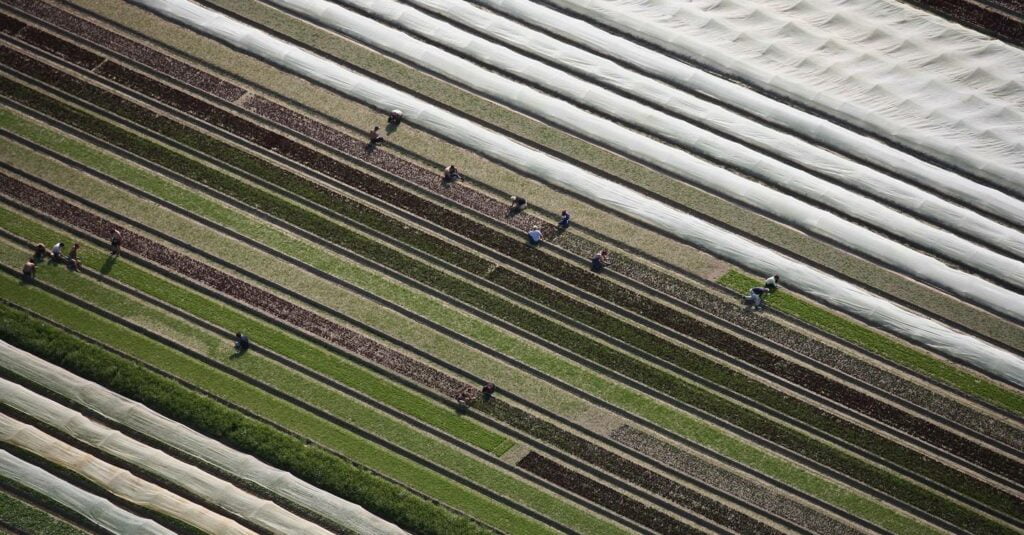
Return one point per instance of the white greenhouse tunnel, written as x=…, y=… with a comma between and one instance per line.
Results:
x=843, y=295
x=149, y=423
x=97, y=510
x=794, y=212
x=850, y=174
x=963, y=128
x=768, y=110
x=116, y=480
x=259, y=512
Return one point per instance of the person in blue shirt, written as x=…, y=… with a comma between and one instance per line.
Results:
x=535, y=235
x=564, y=223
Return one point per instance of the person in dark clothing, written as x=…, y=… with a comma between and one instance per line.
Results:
x=395, y=117
x=599, y=261
x=488, y=391
x=756, y=297
x=115, y=243
x=73, y=261
x=40, y=253
x=564, y=222
x=241, y=343
x=518, y=204
x=375, y=138
x=451, y=174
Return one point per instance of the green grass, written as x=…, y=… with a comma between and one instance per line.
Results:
x=674, y=420
x=28, y=518
x=883, y=345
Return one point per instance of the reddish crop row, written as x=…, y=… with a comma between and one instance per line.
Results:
x=394, y=361
x=742, y=416
x=600, y=494
x=157, y=61
x=763, y=496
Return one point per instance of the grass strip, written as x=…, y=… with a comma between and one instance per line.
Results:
x=751, y=420
x=300, y=387
x=572, y=374
x=27, y=514
x=882, y=345
x=333, y=474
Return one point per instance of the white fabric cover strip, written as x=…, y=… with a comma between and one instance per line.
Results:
x=258, y=511
x=97, y=510
x=850, y=174
x=115, y=480
x=780, y=206
x=885, y=66
x=765, y=109
x=843, y=295
x=141, y=419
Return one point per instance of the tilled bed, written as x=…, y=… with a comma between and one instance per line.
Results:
x=360, y=345
x=797, y=442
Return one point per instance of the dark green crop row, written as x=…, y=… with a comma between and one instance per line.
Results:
x=31, y=512
x=205, y=415
x=492, y=304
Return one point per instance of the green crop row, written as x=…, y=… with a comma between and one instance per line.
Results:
x=584, y=346
x=883, y=345
x=580, y=376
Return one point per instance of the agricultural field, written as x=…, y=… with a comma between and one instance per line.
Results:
x=174, y=174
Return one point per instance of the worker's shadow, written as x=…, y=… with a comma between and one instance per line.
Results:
x=390, y=128
x=239, y=352
x=108, y=264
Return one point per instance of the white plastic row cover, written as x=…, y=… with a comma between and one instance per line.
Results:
x=117, y=481
x=887, y=67
x=752, y=103
x=97, y=510
x=141, y=419
x=779, y=205
x=843, y=295
x=258, y=511
x=850, y=174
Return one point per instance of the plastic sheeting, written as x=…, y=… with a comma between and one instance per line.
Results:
x=843, y=295
x=792, y=211
x=851, y=175
x=137, y=417
x=755, y=104
x=115, y=480
x=631, y=113
x=214, y=490
x=97, y=510
x=892, y=69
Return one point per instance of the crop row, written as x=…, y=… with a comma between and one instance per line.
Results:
x=598, y=493
x=486, y=301
x=314, y=465
x=561, y=270
x=387, y=357
x=30, y=512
